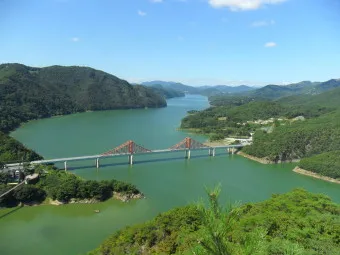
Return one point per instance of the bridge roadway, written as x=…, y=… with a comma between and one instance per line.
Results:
x=130, y=155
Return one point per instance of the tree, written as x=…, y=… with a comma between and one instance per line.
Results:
x=28, y=169
x=29, y=193
x=3, y=178
x=216, y=222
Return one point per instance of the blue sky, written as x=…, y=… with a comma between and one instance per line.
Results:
x=197, y=42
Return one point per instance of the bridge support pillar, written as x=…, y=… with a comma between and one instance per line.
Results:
x=65, y=166
x=231, y=150
x=97, y=162
x=187, y=154
x=130, y=159
x=212, y=152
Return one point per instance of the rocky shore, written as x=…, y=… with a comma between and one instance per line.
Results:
x=315, y=175
x=264, y=160
x=260, y=160
x=127, y=197
x=116, y=195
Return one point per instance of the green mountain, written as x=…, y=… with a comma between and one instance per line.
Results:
x=166, y=92
x=328, y=98
x=173, y=85
x=223, y=89
x=287, y=139
x=29, y=93
x=274, y=92
x=328, y=85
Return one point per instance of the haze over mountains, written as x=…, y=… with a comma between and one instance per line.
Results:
x=203, y=90
x=266, y=92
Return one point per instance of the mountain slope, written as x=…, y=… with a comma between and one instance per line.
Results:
x=328, y=85
x=275, y=92
x=173, y=85
x=326, y=99
x=29, y=93
x=222, y=89
x=167, y=92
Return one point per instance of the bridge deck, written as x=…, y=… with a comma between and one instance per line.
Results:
x=80, y=158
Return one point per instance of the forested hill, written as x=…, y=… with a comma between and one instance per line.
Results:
x=291, y=128
x=275, y=92
x=297, y=222
x=166, y=92
x=29, y=93
x=173, y=85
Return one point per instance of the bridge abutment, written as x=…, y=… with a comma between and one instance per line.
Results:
x=97, y=163
x=65, y=165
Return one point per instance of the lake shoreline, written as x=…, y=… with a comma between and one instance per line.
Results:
x=315, y=175
x=49, y=201
x=264, y=160
x=260, y=160
x=116, y=196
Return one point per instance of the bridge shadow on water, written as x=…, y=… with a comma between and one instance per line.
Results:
x=137, y=162
x=10, y=212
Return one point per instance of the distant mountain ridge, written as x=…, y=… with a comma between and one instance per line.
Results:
x=203, y=90
x=222, y=89
x=173, y=85
x=166, y=92
x=305, y=87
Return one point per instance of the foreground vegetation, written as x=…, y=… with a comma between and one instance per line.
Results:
x=297, y=222
x=64, y=187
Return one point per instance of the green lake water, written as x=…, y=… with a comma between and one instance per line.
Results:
x=167, y=180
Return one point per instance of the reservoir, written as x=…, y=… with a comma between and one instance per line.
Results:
x=167, y=180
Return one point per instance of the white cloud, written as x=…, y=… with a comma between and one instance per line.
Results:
x=75, y=39
x=270, y=44
x=262, y=23
x=242, y=5
x=141, y=13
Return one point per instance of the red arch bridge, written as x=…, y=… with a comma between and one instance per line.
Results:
x=130, y=148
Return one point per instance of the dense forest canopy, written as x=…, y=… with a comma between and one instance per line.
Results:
x=166, y=91
x=297, y=222
x=326, y=164
x=62, y=186
x=285, y=129
x=28, y=93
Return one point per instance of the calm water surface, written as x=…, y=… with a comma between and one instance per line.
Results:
x=76, y=229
